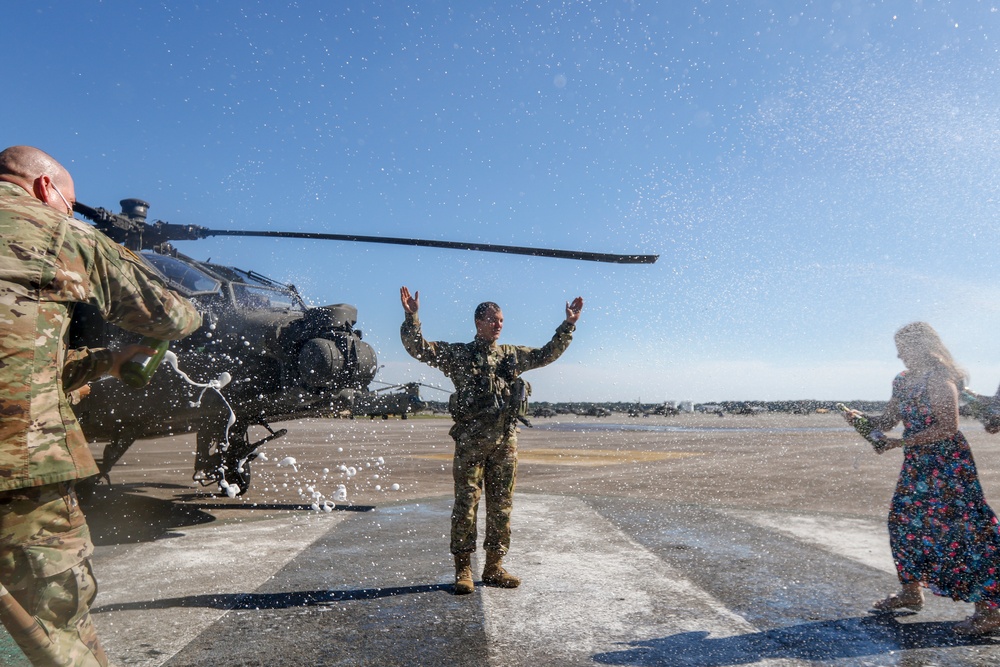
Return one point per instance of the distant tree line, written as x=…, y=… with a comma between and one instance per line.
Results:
x=600, y=409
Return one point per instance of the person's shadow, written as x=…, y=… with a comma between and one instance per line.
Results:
x=823, y=641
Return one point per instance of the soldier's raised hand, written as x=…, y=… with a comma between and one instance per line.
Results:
x=411, y=304
x=573, y=309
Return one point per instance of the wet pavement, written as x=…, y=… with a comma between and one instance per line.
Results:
x=736, y=541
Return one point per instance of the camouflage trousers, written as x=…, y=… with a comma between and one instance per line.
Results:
x=490, y=464
x=45, y=553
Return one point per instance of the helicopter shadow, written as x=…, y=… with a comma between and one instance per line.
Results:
x=125, y=514
x=266, y=601
x=251, y=506
x=855, y=637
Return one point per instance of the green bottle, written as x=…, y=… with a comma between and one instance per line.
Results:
x=866, y=429
x=137, y=371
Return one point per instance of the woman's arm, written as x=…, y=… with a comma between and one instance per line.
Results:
x=890, y=417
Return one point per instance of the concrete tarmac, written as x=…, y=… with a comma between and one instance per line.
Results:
x=691, y=540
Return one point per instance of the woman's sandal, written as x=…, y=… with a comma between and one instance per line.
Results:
x=978, y=624
x=899, y=601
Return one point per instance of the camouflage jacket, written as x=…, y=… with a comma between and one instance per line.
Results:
x=49, y=262
x=483, y=374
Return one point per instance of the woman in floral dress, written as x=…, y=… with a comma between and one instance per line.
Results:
x=943, y=534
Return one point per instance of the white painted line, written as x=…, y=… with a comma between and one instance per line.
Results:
x=863, y=541
x=588, y=588
x=213, y=559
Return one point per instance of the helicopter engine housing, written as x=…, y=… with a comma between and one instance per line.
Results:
x=337, y=361
x=331, y=354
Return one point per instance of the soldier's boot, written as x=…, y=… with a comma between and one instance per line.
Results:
x=495, y=575
x=463, y=574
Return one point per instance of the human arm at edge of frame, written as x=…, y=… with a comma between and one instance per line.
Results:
x=131, y=296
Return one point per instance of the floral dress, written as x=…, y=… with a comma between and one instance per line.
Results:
x=942, y=532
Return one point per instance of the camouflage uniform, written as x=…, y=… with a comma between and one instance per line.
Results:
x=485, y=429
x=49, y=262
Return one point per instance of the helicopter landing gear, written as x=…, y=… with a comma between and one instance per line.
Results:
x=229, y=467
x=236, y=473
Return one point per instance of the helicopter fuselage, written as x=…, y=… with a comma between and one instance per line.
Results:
x=286, y=359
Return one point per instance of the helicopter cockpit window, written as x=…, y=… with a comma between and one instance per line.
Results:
x=252, y=296
x=181, y=274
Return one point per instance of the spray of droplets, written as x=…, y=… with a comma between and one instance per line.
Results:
x=324, y=491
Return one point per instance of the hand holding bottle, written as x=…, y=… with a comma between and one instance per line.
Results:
x=135, y=364
x=864, y=426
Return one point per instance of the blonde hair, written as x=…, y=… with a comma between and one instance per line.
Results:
x=921, y=339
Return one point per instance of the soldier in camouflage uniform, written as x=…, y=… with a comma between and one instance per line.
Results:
x=489, y=395
x=48, y=262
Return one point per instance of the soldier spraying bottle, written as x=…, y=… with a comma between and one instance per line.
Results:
x=488, y=399
x=52, y=263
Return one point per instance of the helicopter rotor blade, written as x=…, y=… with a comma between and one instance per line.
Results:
x=456, y=245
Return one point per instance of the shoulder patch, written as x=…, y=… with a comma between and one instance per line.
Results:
x=130, y=255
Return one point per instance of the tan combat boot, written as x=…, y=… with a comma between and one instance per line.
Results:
x=495, y=575
x=463, y=574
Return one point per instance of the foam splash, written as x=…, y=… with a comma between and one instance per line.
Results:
x=215, y=385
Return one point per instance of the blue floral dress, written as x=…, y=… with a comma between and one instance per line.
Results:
x=942, y=532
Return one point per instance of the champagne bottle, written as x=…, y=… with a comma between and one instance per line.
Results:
x=137, y=371
x=982, y=408
x=864, y=426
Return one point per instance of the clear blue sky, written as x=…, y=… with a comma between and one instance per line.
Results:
x=813, y=174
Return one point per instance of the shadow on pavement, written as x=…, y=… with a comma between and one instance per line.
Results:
x=261, y=601
x=274, y=506
x=124, y=514
x=127, y=513
x=826, y=640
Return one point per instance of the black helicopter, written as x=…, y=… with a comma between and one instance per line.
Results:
x=276, y=357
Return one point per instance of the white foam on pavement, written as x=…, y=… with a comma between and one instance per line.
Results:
x=588, y=588
x=222, y=559
x=861, y=540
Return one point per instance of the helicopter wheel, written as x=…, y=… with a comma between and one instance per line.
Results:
x=239, y=450
x=237, y=475
x=223, y=467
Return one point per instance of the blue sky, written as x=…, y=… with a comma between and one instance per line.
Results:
x=813, y=175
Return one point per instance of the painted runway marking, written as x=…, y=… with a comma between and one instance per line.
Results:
x=154, y=597
x=588, y=588
x=863, y=541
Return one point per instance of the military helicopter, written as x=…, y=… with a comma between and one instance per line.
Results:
x=278, y=358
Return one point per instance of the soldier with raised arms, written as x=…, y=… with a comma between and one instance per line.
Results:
x=48, y=263
x=489, y=396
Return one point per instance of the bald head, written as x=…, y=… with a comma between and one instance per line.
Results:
x=38, y=172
